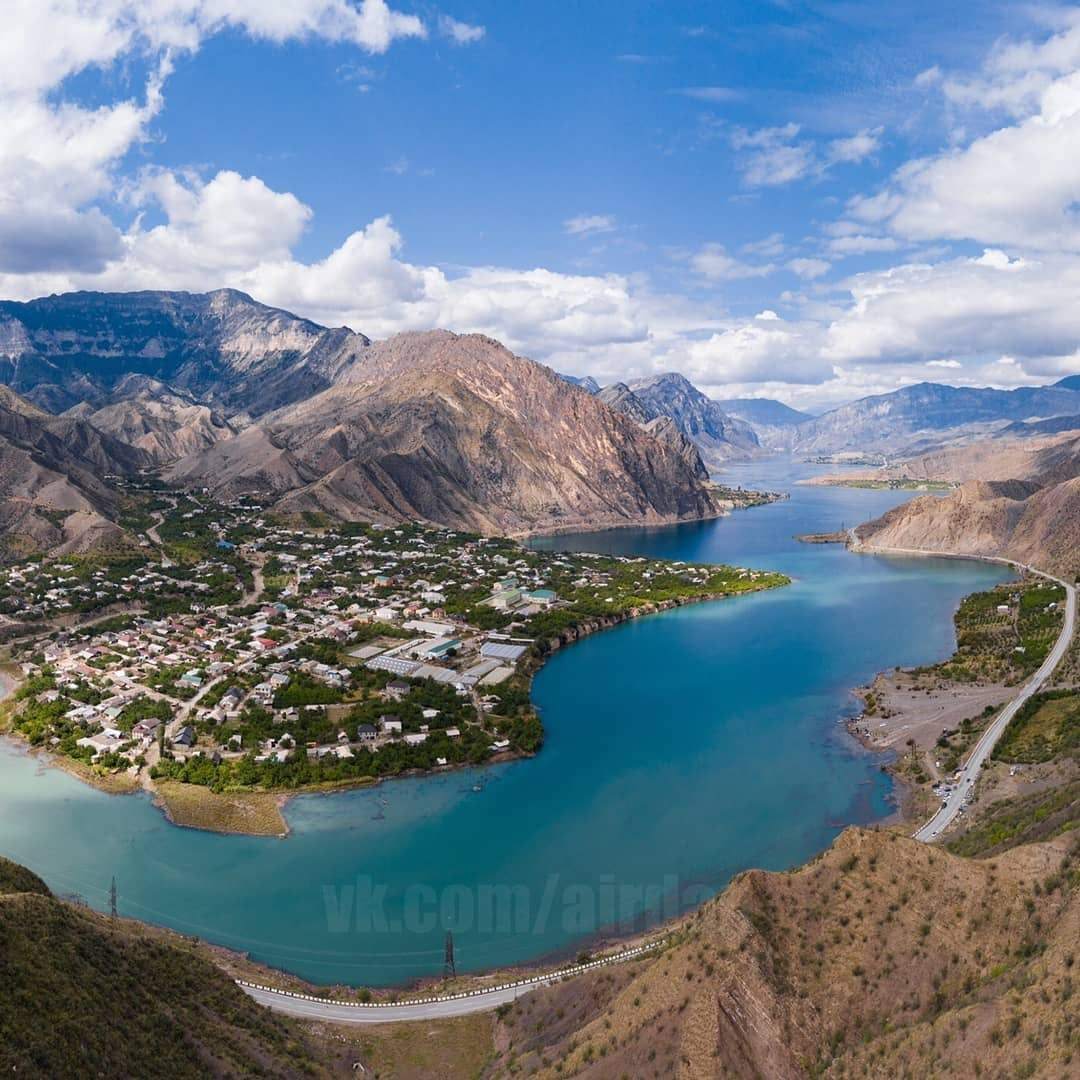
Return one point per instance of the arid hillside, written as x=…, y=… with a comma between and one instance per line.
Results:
x=882, y=958
x=457, y=429
x=52, y=488
x=1020, y=500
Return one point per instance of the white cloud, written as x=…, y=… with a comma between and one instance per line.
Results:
x=1018, y=185
x=770, y=156
x=58, y=159
x=971, y=307
x=758, y=350
x=714, y=263
x=769, y=247
x=773, y=156
x=860, y=244
x=589, y=224
x=809, y=268
x=855, y=148
x=460, y=33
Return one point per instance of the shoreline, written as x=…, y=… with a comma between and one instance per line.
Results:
x=764, y=498
x=915, y=815
x=202, y=806
x=604, y=938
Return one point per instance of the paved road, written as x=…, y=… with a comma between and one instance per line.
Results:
x=312, y=1008
x=969, y=772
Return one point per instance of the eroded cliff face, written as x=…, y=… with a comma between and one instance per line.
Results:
x=458, y=430
x=154, y=418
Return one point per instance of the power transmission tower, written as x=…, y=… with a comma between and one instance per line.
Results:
x=448, y=964
x=112, y=898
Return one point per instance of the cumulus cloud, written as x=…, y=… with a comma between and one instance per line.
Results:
x=58, y=159
x=969, y=307
x=1017, y=185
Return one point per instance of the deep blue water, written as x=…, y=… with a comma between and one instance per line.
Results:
x=681, y=748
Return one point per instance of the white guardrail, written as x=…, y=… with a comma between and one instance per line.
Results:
x=552, y=976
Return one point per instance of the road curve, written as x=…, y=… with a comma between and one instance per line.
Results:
x=309, y=1007
x=969, y=771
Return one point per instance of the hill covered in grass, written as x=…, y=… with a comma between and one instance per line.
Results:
x=82, y=995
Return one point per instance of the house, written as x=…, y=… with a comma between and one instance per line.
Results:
x=366, y=733
x=416, y=738
x=146, y=729
x=397, y=689
x=390, y=725
x=185, y=736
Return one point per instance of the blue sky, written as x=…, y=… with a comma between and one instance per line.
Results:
x=803, y=200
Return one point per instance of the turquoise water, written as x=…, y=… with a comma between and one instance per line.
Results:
x=681, y=748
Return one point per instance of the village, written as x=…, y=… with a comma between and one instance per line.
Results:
x=241, y=651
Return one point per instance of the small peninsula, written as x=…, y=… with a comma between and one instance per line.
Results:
x=239, y=657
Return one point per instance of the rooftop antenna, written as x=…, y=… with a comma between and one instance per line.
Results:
x=449, y=968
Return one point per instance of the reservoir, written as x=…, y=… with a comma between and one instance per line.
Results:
x=681, y=748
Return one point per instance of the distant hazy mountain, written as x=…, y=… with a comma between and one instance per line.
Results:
x=458, y=430
x=763, y=411
x=222, y=346
x=928, y=415
x=1029, y=428
x=1070, y=382
x=719, y=437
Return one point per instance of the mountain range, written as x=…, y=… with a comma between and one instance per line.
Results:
x=222, y=392
x=226, y=393
x=927, y=416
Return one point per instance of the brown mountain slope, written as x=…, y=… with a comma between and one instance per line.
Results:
x=458, y=430
x=152, y=417
x=882, y=958
x=52, y=493
x=1023, y=504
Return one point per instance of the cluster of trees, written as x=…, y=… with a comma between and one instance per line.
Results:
x=298, y=771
